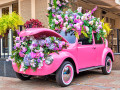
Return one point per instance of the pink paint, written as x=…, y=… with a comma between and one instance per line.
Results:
x=82, y=55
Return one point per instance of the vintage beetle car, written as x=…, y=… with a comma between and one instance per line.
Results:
x=79, y=56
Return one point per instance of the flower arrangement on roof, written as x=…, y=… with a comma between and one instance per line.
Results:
x=33, y=23
x=76, y=21
x=31, y=52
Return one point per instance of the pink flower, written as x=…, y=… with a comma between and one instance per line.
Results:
x=24, y=49
x=61, y=26
x=41, y=54
x=18, y=32
x=94, y=10
x=59, y=17
x=53, y=15
x=58, y=2
x=61, y=20
x=56, y=22
x=18, y=45
x=17, y=38
x=21, y=54
x=33, y=55
x=63, y=43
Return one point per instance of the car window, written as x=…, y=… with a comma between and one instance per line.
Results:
x=100, y=41
x=84, y=40
x=70, y=37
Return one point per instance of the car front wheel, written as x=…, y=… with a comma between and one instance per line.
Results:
x=65, y=74
x=23, y=77
x=108, y=66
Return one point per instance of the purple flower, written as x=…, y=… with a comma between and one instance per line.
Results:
x=18, y=32
x=53, y=10
x=14, y=47
x=26, y=61
x=23, y=38
x=38, y=60
x=48, y=40
x=98, y=30
x=41, y=42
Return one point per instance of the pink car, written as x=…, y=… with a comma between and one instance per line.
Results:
x=81, y=55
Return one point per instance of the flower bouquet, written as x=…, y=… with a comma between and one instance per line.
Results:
x=31, y=52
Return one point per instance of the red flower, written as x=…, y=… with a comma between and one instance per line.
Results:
x=34, y=23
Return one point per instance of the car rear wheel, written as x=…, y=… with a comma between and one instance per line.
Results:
x=65, y=74
x=108, y=66
x=23, y=77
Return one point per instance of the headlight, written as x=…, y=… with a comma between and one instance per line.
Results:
x=49, y=60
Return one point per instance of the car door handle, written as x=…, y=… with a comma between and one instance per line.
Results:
x=94, y=48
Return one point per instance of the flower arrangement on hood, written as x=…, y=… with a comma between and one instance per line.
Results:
x=31, y=52
x=78, y=22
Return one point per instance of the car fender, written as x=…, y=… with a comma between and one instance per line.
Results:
x=105, y=52
x=60, y=58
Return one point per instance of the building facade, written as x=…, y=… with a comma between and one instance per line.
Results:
x=37, y=9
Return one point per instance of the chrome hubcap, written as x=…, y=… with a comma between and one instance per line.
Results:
x=109, y=65
x=66, y=74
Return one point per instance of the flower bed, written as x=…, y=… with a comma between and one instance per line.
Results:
x=31, y=52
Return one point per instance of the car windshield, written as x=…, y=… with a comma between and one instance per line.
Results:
x=70, y=37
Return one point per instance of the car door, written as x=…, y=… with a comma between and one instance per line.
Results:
x=99, y=44
x=86, y=53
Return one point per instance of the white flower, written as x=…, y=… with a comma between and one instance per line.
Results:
x=64, y=29
x=34, y=41
x=41, y=49
x=49, y=8
x=87, y=29
x=83, y=17
x=71, y=17
x=78, y=17
x=40, y=64
x=104, y=31
x=65, y=24
x=91, y=22
x=66, y=1
x=68, y=26
x=22, y=67
x=79, y=9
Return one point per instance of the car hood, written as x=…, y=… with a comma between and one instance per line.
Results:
x=37, y=32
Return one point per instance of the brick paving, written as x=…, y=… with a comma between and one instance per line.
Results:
x=90, y=80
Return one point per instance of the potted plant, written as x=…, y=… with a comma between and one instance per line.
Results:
x=33, y=23
x=10, y=21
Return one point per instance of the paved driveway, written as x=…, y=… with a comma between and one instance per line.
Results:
x=90, y=80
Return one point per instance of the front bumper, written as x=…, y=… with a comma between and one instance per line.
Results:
x=45, y=69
